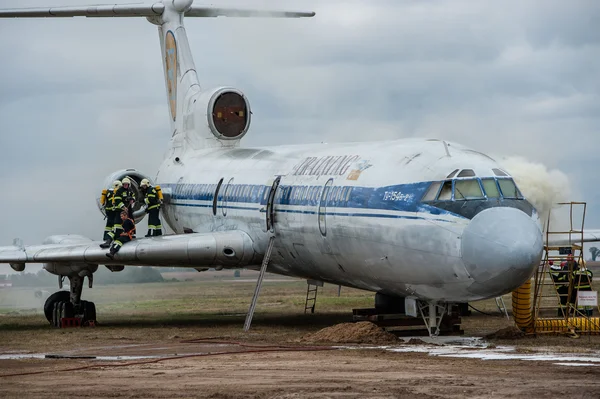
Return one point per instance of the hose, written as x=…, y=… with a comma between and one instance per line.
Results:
x=523, y=314
x=254, y=349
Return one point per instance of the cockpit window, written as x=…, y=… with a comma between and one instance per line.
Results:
x=451, y=175
x=490, y=188
x=466, y=173
x=460, y=189
x=467, y=189
x=499, y=172
x=446, y=193
x=432, y=192
x=509, y=189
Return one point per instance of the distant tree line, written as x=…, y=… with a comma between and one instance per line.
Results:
x=131, y=275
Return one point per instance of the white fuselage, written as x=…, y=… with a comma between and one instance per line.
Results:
x=371, y=232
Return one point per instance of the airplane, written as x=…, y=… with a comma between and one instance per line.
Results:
x=421, y=222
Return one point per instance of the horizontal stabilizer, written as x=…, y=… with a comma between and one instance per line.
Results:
x=109, y=10
x=143, y=10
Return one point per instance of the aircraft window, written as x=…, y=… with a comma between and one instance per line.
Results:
x=348, y=194
x=446, y=193
x=466, y=173
x=467, y=189
x=490, y=188
x=451, y=175
x=499, y=172
x=334, y=196
x=509, y=189
x=432, y=192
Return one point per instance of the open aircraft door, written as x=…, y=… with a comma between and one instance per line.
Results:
x=270, y=209
x=322, y=210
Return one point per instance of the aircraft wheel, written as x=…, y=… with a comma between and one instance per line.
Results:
x=89, y=311
x=67, y=310
x=52, y=299
x=56, y=314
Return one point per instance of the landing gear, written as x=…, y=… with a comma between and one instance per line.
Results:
x=432, y=314
x=68, y=305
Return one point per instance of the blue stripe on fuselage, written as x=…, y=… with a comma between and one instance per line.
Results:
x=401, y=197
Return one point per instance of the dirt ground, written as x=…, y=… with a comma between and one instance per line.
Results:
x=152, y=346
x=294, y=374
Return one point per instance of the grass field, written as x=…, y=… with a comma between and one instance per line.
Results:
x=210, y=308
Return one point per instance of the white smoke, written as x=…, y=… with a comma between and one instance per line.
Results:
x=543, y=187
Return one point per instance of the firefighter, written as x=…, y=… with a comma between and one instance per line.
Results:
x=571, y=266
x=107, y=201
x=582, y=281
x=560, y=277
x=123, y=200
x=153, y=204
x=127, y=234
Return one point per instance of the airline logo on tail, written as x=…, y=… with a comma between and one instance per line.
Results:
x=171, y=66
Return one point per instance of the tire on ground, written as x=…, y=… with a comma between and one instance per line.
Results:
x=49, y=304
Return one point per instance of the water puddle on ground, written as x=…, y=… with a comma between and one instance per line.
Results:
x=20, y=356
x=477, y=348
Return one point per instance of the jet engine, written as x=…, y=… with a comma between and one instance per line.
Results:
x=225, y=111
x=136, y=178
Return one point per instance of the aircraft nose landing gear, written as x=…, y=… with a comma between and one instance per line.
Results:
x=68, y=306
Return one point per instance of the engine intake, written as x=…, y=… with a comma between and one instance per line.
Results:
x=136, y=178
x=228, y=114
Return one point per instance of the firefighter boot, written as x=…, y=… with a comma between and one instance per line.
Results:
x=157, y=232
x=112, y=252
x=149, y=233
x=106, y=243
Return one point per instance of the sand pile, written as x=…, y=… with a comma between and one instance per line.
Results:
x=363, y=332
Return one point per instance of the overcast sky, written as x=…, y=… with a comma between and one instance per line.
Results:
x=81, y=98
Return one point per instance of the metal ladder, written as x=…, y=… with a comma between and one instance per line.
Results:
x=311, y=296
x=502, y=306
x=263, y=268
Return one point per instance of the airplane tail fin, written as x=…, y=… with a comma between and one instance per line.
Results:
x=180, y=72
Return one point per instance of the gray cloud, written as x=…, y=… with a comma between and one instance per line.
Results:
x=82, y=98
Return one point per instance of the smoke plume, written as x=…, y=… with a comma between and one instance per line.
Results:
x=543, y=187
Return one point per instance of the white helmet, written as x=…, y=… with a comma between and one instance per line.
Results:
x=126, y=181
x=116, y=184
x=145, y=183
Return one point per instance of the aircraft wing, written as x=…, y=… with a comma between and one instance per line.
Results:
x=228, y=249
x=564, y=239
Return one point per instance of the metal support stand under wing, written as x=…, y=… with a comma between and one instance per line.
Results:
x=263, y=268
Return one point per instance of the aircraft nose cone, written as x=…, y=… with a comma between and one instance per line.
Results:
x=501, y=247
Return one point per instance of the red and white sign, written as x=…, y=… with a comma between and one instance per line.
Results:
x=587, y=298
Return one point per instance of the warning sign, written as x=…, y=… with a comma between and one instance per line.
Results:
x=587, y=298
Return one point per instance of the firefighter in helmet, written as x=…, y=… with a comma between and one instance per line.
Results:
x=153, y=203
x=123, y=201
x=107, y=202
